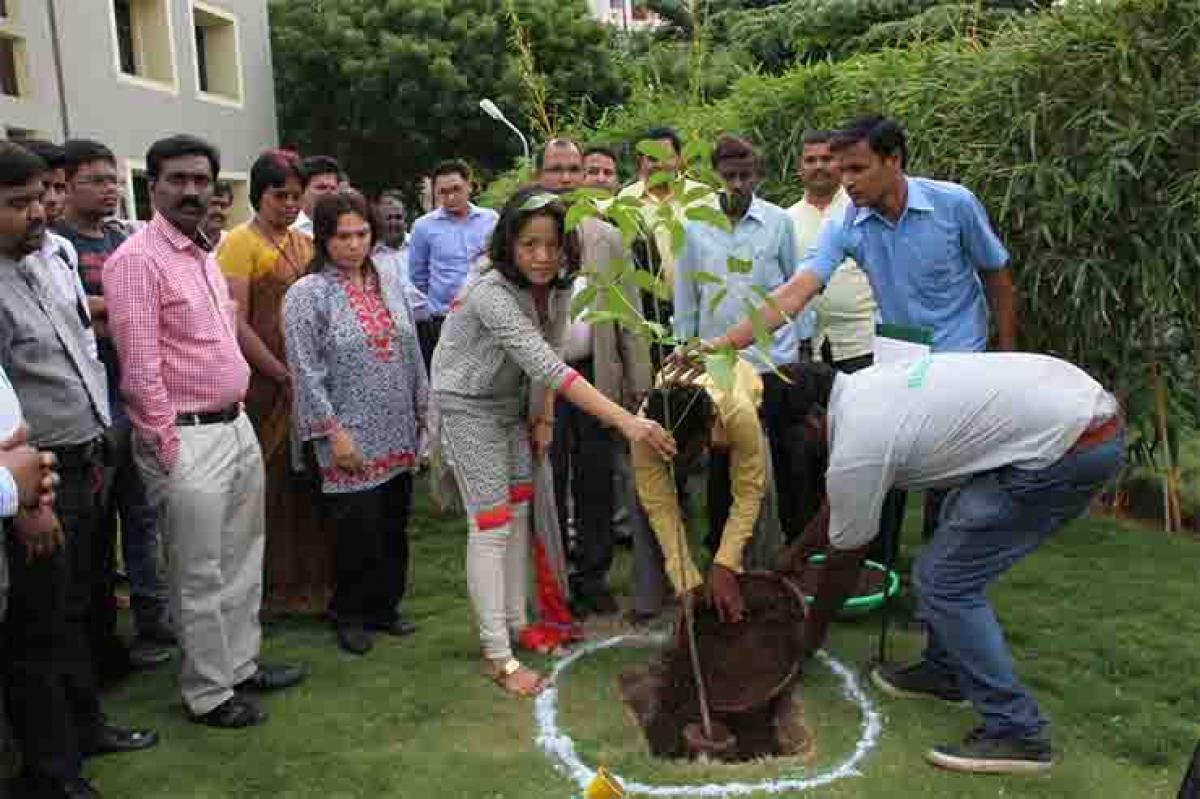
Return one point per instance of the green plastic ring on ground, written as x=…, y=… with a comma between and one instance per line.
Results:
x=859, y=605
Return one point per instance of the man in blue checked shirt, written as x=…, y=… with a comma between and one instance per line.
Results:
x=444, y=244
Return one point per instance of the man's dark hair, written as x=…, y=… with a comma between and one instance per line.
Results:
x=454, y=166
x=557, y=142
x=326, y=213
x=686, y=411
x=395, y=195
x=84, y=151
x=18, y=166
x=316, y=165
x=660, y=134
x=812, y=383
x=526, y=203
x=601, y=149
x=271, y=170
x=816, y=136
x=883, y=135
x=54, y=156
x=729, y=147
x=223, y=188
x=179, y=146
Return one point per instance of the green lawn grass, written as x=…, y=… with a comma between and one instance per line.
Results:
x=1104, y=622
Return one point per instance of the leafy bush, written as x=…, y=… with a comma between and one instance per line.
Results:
x=1078, y=129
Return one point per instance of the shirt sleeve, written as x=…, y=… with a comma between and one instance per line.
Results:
x=656, y=490
x=236, y=255
x=499, y=312
x=418, y=303
x=979, y=240
x=9, y=496
x=686, y=321
x=856, y=492
x=304, y=329
x=829, y=250
x=418, y=258
x=748, y=480
x=131, y=296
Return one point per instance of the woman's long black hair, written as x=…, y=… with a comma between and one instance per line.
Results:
x=328, y=210
x=525, y=204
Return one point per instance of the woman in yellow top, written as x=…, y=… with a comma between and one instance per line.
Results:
x=261, y=259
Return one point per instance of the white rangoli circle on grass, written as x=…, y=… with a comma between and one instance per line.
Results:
x=561, y=748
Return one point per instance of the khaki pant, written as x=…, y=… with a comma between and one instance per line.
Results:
x=211, y=514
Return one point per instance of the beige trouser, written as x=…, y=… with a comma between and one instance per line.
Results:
x=497, y=579
x=211, y=513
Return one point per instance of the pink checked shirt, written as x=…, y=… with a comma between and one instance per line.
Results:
x=173, y=322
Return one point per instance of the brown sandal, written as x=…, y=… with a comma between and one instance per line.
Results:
x=515, y=678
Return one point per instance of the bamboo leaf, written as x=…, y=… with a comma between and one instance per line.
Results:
x=717, y=299
x=700, y=276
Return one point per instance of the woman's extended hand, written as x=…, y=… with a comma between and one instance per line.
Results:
x=640, y=430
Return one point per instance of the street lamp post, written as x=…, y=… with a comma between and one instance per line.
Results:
x=491, y=109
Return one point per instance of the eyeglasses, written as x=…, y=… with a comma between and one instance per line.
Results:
x=99, y=180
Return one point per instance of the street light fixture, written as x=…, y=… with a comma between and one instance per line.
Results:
x=492, y=110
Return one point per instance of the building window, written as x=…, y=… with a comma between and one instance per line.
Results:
x=22, y=134
x=143, y=32
x=12, y=66
x=3, y=9
x=141, y=196
x=218, y=60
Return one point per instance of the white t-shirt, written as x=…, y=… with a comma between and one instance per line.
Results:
x=934, y=423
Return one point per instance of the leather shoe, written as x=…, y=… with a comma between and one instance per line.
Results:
x=399, y=628
x=232, y=714
x=354, y=639
x=107, y=739
x=272, y=677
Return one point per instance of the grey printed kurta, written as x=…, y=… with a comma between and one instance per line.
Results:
x=494, y=352
x=356, y=365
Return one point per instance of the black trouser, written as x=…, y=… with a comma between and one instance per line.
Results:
x=586, y=450
x=428, y=332
x=799, y=480
x=372, y=551
x=719, y=497
x=52, y=693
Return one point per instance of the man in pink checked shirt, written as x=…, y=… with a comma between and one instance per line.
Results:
x=183, y=378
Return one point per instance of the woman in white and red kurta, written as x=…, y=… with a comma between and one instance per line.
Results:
x=361, y=391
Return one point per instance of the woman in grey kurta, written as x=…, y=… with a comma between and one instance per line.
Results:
x=497, y=345
x=360, y=399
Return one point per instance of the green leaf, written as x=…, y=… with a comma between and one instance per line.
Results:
x=700, y=276
x=577, y=213
x=587, y=194
x=600, y=317
x=710, y=216
x=677, y=236
x=739, y=266
x=716, y=300
x=582, y=300
x=697, y=149
x=659, y=179
x=720, y=367
x=762, y=336
x=659, y=151
x=626, y=221
x=658, y=332
x=697, y=194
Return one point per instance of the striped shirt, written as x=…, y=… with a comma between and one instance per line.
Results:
x=171, y=316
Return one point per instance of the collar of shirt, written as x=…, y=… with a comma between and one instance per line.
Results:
x=175, y=237
x=839, y=200
x=917, y=200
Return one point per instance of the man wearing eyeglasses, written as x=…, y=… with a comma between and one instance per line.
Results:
x=444, y=244
x=93, y=197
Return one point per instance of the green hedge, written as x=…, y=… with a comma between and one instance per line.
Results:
x=1079, y=128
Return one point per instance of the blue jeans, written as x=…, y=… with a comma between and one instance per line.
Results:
x=986, y=526
x=140, y=546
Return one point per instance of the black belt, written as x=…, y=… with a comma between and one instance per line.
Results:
x=81, y=456
x=210, y=417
